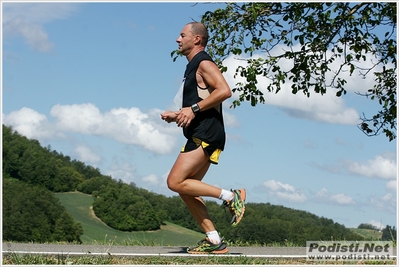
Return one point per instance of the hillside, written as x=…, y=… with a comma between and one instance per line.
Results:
x=368, y=234
x=79, y=205
x=126, y=212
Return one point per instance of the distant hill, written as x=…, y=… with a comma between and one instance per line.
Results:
x=368, y=234
x=80, y=205
x=125, y=213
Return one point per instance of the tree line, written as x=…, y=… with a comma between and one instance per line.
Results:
x=33, y=213
x=32, y=173
x=388, y=233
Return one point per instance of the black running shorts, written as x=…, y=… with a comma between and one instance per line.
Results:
x=212, y=151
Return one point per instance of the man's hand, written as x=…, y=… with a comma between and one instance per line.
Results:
x=184, y=117
x=169, y=116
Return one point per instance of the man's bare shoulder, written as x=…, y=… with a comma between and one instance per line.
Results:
x=207, y=66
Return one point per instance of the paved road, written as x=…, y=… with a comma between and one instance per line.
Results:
x=286, y=252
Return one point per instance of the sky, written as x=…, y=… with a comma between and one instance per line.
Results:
x=90, y=80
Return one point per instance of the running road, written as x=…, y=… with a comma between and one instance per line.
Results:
x=56, y=249
x=63, y=249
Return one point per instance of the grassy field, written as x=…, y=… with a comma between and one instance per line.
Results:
x=368, y=234
x=32, y=259
x=79, y=205
x=96, y=232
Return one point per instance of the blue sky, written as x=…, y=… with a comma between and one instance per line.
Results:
x=91, y=79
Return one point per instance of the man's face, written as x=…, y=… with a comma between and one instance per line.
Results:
x=186, y=40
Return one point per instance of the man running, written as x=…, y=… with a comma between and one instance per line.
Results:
x=202, y=93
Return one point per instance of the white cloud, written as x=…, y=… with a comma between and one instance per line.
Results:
x=385, y=203
x=155, y=183
x=230, y=120
x=81, y=118
x=124, y=171
x=341, y=199
x=27, y=20
x=165, y=177
x=151, y=179
x=284, y=191
x=34, y=34
x=127, y=126
x=29, y=123
x=86, y=155
x=392, y=185
x=326, y=108
x=382, y=166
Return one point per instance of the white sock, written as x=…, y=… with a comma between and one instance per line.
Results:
x=213, y=237
x=226, y=195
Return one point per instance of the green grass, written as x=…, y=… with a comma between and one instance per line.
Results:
x=17, y=259
x=368, y=234
x=96, y=232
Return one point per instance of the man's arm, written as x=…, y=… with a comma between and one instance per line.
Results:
x=212, y=77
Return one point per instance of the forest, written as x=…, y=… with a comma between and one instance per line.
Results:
x=31, y=212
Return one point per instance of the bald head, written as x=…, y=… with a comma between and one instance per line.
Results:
x=198, y=28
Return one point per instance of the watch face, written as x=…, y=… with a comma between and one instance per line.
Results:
x=195, y=108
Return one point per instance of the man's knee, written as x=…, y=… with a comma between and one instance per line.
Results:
x=173, y=184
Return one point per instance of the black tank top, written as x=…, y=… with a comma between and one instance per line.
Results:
x=207, y=125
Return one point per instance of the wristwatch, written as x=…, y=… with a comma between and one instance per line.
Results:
x=195, y=108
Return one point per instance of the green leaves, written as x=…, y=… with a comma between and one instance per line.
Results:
x=385, y=92
x=126, y=208
x=36, y=171
x=322, y=39
x=32, y=214
x=175, y=54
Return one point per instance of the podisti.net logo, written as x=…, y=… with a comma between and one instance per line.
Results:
x=349, y=250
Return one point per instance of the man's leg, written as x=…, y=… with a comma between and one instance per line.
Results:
x=187, y=172
x=186, y=177
x=197, y=207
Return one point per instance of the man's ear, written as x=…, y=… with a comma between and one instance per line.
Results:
x=197, y=40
